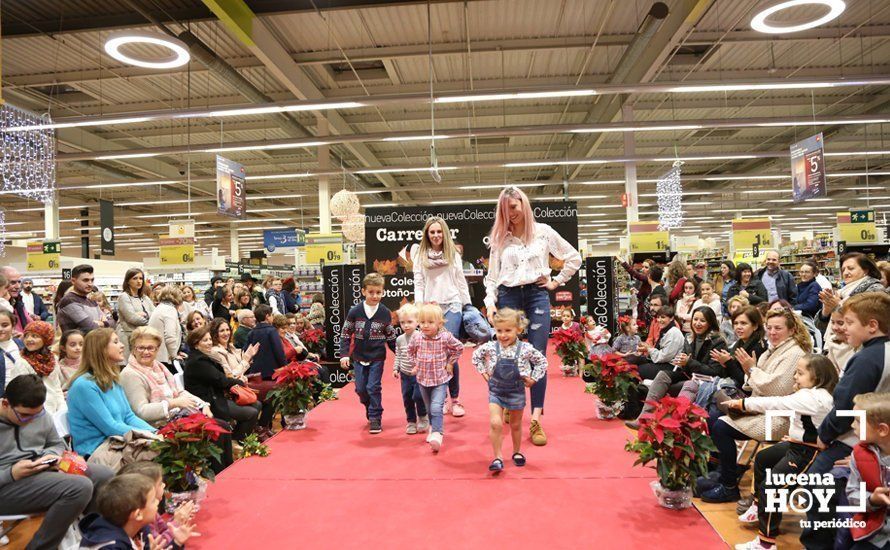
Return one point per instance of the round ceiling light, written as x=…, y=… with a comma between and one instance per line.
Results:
x=759, y=23
x=179, y=57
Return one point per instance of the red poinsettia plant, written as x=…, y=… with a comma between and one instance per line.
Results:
x=570, y=345
x=298, y=388
x=314, y=339
x=186, y=448
x=675, y=436
x=610, y=378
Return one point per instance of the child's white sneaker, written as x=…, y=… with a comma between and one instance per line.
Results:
x=756, y=544
x=411, y=429
x=423, y=423
x=446, y=407
x=750, y=515
x=435, y=441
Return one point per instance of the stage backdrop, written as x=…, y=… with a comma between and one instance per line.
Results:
x=342, y=290
x=391, y=232
x=602, y=292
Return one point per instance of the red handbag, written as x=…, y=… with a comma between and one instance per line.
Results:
x=243, y=395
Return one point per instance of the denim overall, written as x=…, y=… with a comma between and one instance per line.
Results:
x=505, y=386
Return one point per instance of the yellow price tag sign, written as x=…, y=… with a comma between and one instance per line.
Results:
x=748, y=233
x=646, y=237
x=173, y=251
x=857, y=226
x=324, y=248
x=44, y=256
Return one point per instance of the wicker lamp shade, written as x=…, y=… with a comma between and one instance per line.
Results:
x=344, y=203
x=354, y=228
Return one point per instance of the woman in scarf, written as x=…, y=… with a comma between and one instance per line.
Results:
x=37, y=358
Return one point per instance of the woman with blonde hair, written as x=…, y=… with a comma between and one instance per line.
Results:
x=165, y=320
x=97, y=405
x=439, y=278
x=519, y=277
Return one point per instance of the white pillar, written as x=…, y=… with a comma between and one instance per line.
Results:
x=51, y=219
x=234, y=253
x=324, y=188
x=630, y=170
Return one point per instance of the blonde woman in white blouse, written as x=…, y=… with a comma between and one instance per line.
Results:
x=439, y=279
x=519, y=277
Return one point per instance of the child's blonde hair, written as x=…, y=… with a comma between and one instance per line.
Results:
x=408, y=310
x=373, y=279
x=737, y=299
x=512, y=316
x=431, y=312
x=876, y=407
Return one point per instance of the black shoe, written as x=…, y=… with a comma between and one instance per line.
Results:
x=375, y=428
x=721, y=494
x=519, y=459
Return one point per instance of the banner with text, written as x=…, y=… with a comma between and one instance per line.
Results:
x=176, y=250
x=646, y=237
x=273, y=239
x=324, y=248
x=106, y=221
x=231, y=192
x=342, y=290
x=857, y=226
x=391, y=232
x=808, y=169
x=44, y=256
x=602, y=292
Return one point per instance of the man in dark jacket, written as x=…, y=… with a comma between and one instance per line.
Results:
x=210, y=293
x=76, y=310
x=246, y=322
x=33, y=302
x=30, y=448
x=779, y=283
x=14, y=282
x=269, y=357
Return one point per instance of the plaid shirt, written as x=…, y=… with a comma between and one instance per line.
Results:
x=430, y=355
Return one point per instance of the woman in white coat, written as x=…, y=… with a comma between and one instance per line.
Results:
x=134, y=307
x=439, y=279
x=165, y=320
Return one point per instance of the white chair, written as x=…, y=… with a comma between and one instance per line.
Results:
x=60, y=419
x=179, y=379
x=177, y=366
x=8, y=523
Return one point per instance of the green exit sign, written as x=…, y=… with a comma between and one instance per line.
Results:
x=862, y=216
x=54, y=247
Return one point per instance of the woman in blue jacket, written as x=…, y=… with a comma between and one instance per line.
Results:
x=808, y=289
x=97, y=405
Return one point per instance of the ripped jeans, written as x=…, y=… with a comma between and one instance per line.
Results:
x=535, y=302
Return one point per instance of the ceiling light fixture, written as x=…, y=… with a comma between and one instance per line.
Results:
x=179, y=57
x=759, y=22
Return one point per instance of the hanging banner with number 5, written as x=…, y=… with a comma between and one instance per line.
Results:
x=808, y=169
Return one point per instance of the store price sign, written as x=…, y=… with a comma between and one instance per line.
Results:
x=646, y=237
x=176, y=251
x=857, y=226
x=752, y=234
x=324, y=248
x=44, y=256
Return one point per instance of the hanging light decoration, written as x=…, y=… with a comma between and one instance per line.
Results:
x=670, y=199
x=27, y=158
x=344, y=203
x=2, y=233
x=354, y=228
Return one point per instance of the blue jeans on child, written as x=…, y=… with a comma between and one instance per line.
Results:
x=824, y=537
x=368, y=378
x=434, y=399
x=414, y=405
x=453, y=321
x=535, y=302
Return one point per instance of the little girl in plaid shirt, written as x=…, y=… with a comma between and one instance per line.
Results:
x=433, y=351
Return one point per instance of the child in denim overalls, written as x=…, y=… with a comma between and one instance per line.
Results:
x=508, y=365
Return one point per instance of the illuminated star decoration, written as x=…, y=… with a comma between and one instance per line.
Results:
x=28, y=158
x=670, y=199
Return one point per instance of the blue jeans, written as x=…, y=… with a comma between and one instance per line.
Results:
x=475, y=326
x=535, y=302
x=368, y=379
x=414, y=405
x=824, y=538
x=452, y=324
x=434, y=399
x=724, y=437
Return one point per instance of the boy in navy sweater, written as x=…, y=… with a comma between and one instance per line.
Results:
x=366, y=333
x=867, y=322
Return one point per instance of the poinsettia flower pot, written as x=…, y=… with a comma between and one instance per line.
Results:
x=295, y=421
x=679, y=499
x=195, y=495
x=608, y=411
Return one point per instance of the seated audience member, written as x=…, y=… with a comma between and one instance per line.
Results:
x=97, y=405
x=246, y=322
x=808, y=290
x=234, y=361
x=778, y=305
x=76, y=309
x=269, y=357
x=37, y=358
x=316, y=312
x=814, y=377
x=172, y=527
x=289, y=296
x=195, y=320
x=866, y=321
x=695, y=359
x=726, y=327
x=884, y=268
x=30, y=448
x=206, y=379
x=747, y=285
x=670, y=343
x=5, y=304
x=127, y=505
x=770, y=375
x=149, y=386
x=165, y=320
x=749, y=334
x=868, y=465
x=684, y=305
x=709, y=298
x=656, y=302
x=223, y=304
x=293, y=351
x=69, y=351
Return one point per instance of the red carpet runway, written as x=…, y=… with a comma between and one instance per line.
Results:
x=335, y=486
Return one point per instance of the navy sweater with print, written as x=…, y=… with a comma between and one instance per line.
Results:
x=364, y=339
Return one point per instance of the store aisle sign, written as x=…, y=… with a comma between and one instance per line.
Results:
x=182, y=229
x=44, y=256
x=177, y=250
x=106, y=221
x=808, y=169
x=274, y=239
x=752, y=234
x=324, y=248
x=857, y=226
x=231, y=191
x=645, y=237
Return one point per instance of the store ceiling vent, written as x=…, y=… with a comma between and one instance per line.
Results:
x=695, y=54
x=489, y=142
x=372, y=69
